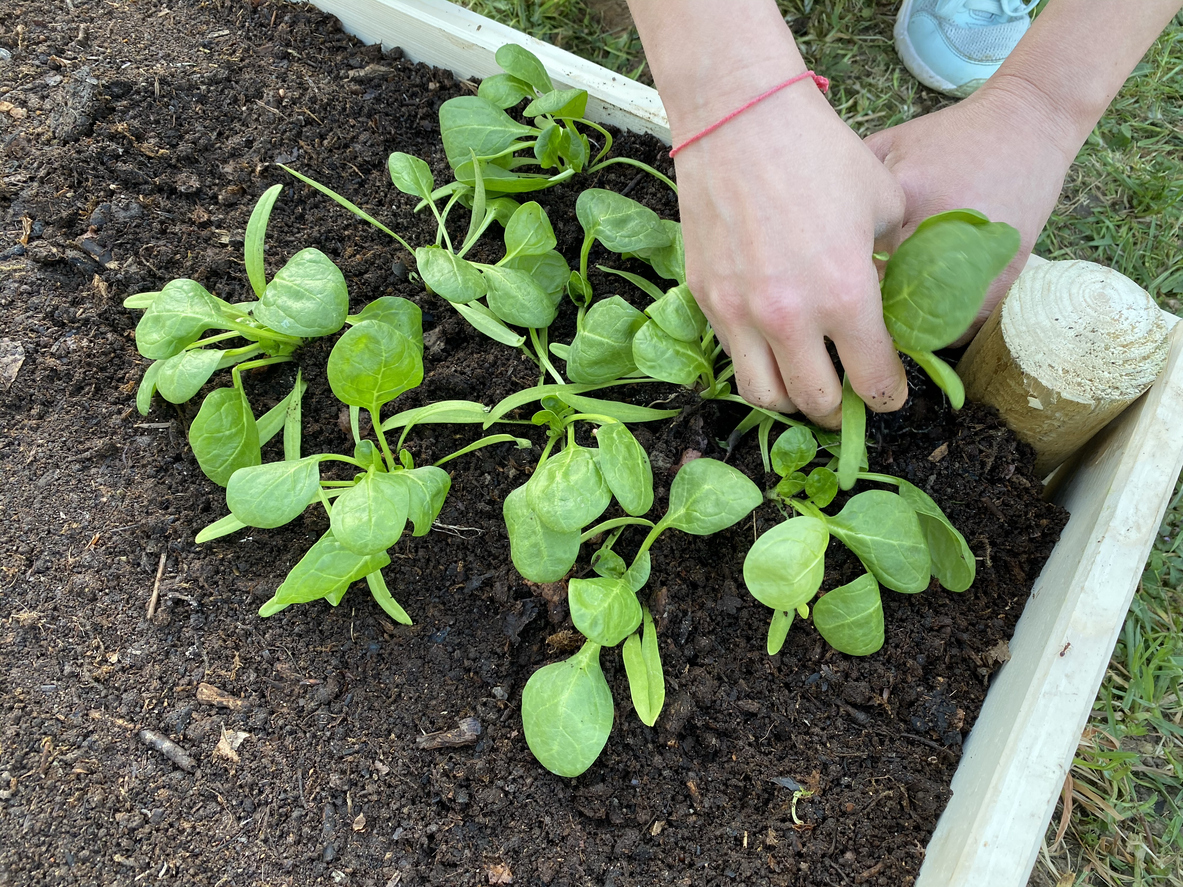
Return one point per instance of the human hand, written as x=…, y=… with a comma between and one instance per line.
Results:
x=780, y=211
x=994, y=152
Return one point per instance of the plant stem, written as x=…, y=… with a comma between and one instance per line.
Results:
x=639, y=165
x=539, y=343
x=612, y=524
x=376, y=421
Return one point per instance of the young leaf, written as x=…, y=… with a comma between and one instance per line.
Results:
x=224, y=436
x=447, y=412
x=293, y=419
x=485, y=321
x=602, y=349
x=567, y=712
x=603, y=609
x=529, y=232
x=791, y=485
x=373, y=363
x=470, y=124
x=951, y=559
x=140, y=301
x=402, y=314
x=667, y=359
x=519, y=62
x=256, y=231
x=548, y=145
x=307, y=297
x=385, y=600
x=177, y=318
x=784, y=568
x=563, y=103
x=326, y=571
x=883, y=530
x=850, y=617
x=271, y=495
x=669, y=261
x=618, y=222
x=427, y=488
x=539, y=553
x=708, y=496
x=369, y=517
x=678, y=315
x=516, y=298
x=147, y=388
x=642, y=664
x=621, y=412
x=181, y=376
x=936, y=282
x=568, y=491
x=778, y=630
x=941, y=373
x=793, y=450
x=504, y=90
x=821, y=486
x=625, y=467
x=448, y=275
x=853, y=454
x=219, y=528
x=574, y=149
x=548, y=269
x=411, y=175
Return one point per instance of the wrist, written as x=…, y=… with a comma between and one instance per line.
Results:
x=1030, y=107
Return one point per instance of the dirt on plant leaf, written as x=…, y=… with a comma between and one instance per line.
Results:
x=208, y=746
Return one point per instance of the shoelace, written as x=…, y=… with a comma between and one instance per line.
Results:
x=1003, y=8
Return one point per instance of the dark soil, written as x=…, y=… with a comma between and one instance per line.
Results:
x=135, y=138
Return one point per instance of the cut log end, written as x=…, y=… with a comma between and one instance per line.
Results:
x=1071, y=345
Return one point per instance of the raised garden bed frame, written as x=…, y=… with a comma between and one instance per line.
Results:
x=1117, y=491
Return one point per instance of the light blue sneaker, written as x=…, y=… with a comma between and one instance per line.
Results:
x=952, y=46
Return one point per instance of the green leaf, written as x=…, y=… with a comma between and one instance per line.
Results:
x=785, y=567
x=427, y=488
x=778, y=630
x=567, y=712
x=935, y=283
x=791, y=485
x=941, y=373
x=140, y=301
x=602, y=349
x=853, y=454
x=484, y=321
x=524, y=65
x=793, y=450
x=547, y=146
x=951, y=560
x=181, y=376
x=574, y=149
x=411, y=175
x=628, y=413
x=650, y=289
x=708, y=496
x=624, y=465
x=470, y=125
x=884, y=532
x=618, y=222
x=678, y=315
x=539, y=553
x=147, y=388
x=529, y=232
x=821, y=486
x=219, y=528
x=603, y=609
x=567, y=491
x=271, y=495
x=224, y=436
x=642, y=665
x=256, y=232
x=326, y=571
x=669, y=261
x=517, y=298
x=443, y=412
x=548, y=269
x=667, y=359
x=306, y=298
x=498, y=180
x=387, y=602
x=448, y=275
x=608, y=563
x=293, y=419
x=372, y=364
x=369, y=517
x=850, y=617
x=564, y=103
x=504, y=90
x=177, y=318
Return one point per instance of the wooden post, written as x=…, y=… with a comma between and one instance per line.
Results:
x=1070, y=346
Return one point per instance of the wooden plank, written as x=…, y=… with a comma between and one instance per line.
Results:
x=448, y=36
x=1021, y=748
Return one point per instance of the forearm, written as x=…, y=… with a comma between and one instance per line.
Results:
x=709, y=56
x=1077, y=55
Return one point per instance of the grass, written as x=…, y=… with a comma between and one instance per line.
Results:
x=1122, y=206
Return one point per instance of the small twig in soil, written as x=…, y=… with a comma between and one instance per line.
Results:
x=465, y=734
x=155, y=599
x=169, y=749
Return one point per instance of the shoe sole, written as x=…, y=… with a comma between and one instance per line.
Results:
x=916, y=66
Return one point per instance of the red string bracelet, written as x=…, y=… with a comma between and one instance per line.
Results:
x=822, y=83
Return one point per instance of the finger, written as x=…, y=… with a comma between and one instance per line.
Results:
x=869, y=357
x=809, y=378
x=756, y=373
